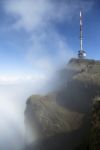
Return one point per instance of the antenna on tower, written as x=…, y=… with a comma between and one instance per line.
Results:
x=81, y=52
x=81, y=32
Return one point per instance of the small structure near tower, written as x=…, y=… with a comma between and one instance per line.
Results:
x=81, y=52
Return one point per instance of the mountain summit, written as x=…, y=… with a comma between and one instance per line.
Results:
x=67, y=118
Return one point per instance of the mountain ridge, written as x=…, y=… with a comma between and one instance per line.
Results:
x=64, y=117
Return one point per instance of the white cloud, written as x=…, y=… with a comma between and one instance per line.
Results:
x=14, y=91
x=20, y=80
x=49, y=51
x=34, y=14
x=28, y=13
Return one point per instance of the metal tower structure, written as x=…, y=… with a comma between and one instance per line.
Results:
x=81, y=52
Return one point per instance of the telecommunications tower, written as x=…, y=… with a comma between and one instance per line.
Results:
x=81, y=52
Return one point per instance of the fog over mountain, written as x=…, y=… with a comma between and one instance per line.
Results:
x=13, y=97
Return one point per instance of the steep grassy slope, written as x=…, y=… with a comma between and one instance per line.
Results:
x=51, y=118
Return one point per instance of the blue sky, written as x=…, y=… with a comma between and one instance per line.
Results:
x=40, y=36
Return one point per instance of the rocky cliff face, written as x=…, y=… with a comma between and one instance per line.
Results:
x=62, y=119
x=94, y=141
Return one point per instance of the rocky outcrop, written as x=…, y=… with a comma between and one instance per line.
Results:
x=50, y=117
x=62, y=119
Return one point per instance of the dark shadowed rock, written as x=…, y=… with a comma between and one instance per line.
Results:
x=94, y=141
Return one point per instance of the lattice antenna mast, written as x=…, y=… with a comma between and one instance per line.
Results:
x=81, y=32
x=81, y=52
